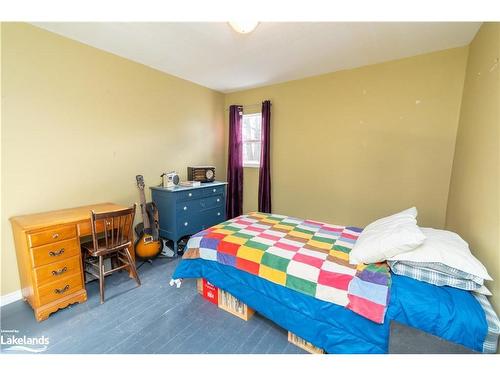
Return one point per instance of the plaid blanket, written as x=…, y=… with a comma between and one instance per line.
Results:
x=304, y=255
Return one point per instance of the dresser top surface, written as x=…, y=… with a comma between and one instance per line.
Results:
x=184, y=188
x=67, y=215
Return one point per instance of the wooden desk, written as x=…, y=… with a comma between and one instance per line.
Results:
x=49, y=256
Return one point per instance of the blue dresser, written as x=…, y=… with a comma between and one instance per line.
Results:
x=187, y=210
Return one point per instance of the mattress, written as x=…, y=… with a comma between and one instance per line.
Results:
x=452, y=314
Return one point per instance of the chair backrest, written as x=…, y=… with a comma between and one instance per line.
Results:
x=116, y=226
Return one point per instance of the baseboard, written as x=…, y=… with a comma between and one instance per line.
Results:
x=11, y=297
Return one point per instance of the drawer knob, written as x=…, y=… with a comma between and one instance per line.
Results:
x=55, y=235
x=218, y=200
x=185, y=208
x=56, y=253
x=186, y=224
x=214, y=190
x=218, y=213
x=62, y=290
x=59, y=272
x=190, y=194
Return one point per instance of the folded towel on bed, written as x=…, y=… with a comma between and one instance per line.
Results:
x=307, y=256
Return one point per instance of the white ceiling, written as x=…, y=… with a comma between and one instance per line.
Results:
x=213, y=55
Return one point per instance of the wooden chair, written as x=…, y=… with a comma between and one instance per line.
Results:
x=111, y=237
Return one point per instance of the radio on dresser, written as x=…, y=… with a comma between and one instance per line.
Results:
x=201, y=173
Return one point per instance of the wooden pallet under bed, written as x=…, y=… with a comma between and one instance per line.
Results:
x=231, y=304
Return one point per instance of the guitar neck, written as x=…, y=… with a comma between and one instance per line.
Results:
x=145, y=218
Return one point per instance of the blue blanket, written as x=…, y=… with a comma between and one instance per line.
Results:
x=450, y=313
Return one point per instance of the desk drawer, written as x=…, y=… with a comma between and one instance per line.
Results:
x=57, y=270
x=59, y=289
x=46, y=254
x=85, y=229
x=52, y=235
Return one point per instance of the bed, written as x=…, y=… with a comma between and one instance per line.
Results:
x=455, y=315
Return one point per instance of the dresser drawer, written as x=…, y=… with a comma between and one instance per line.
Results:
x=197, y=205
x=200, y=221
x=189, y=194
x=57, y=270
x=51, y=235
x=54, y=252
x=200, y=193
x=59, y=289
x=189, y=225
x=214, y=190
x=187, y=207
x=214, y=216
x=212, y=202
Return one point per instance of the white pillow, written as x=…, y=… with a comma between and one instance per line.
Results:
x=387, y=237
x=448, y=248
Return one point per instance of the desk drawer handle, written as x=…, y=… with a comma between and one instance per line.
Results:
x=59, y=272
x=218, y=213
x=186, y=224
x=190, y=194
x=218, y=200
x=57, y=253
x=55, y=236
x=185, y=208
x=61, y=291
x=214, y=190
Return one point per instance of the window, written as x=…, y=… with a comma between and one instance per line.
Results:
x=251, y=140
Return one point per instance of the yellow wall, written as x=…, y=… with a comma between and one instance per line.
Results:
x=350, y=146
x=474, y=205
x=78, y=124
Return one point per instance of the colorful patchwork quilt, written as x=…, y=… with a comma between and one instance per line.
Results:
x=307, y=256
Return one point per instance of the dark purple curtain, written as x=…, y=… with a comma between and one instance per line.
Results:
x=234, y=202
x=265, y=160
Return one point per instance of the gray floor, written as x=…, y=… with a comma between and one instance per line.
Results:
x=154, y=318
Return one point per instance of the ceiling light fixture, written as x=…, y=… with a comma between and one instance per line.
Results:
x=243, y=27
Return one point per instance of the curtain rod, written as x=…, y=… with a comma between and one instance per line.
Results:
x=247, y=106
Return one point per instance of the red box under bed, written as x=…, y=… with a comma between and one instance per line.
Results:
x=210, y=292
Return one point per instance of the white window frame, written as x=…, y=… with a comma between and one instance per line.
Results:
x=247, y=164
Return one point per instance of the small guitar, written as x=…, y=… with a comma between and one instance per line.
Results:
x=148, y=245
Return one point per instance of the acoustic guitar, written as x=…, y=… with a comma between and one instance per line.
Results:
x=148, y=245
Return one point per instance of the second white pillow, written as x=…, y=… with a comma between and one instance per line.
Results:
x=446, y=248
x=387, y=237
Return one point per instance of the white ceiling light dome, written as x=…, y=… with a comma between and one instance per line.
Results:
x=244, y=26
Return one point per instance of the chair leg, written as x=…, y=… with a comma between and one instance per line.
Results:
x=132, y=266
x=101, y=279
